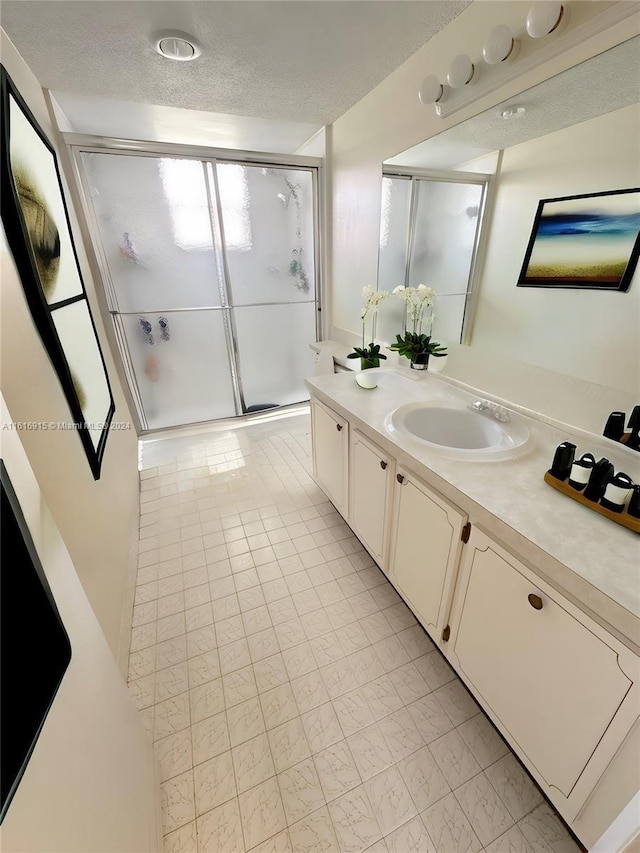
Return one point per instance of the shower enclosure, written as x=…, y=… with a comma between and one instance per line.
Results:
x=430, y=230
x=210, y=275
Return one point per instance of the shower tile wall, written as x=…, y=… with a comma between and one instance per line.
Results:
x=295, y=704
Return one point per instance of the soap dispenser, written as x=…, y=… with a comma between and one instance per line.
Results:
x=614, y=427
x=563, y=460
x=617, y=492
x=581, y=471
x=634, y=425
x=601, y=473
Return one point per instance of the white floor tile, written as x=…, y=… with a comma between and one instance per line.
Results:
x=261, y=812
x=455, y=759
x=289, y=744
x=265, y=641
x=449, y=828
x=391, y=801
x=245, y=721
x=214, y=783
x=239, y=686
x=514, y=786
x=252, y=762
x=278, y=706
x=183, y=840
x=483, y=740
x=337, y=770
x=412, y=837
x=314, y=834
x=178, y=802
x=545, y=832
x=221, y=829
x=301, y=791
x=354, y=821
x=322, y=727
x=483, y=807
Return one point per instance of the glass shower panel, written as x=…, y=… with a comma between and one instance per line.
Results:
x=267, y=217
x=446, y=224
x=273, y=343
x=153, y=217
x=181, y=365
x=392, y=252
x=394, y=230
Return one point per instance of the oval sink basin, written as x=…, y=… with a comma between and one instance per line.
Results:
x=458, y=432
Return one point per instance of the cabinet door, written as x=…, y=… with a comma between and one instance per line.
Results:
x=425, y=549
x=542, y=669
x=371, y=472
x=330, y=436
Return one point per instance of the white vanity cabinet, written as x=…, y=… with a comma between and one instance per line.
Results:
x=426, y=538
x=330, y=439
x=371, y=488
x=560, y=687
x=563, y=690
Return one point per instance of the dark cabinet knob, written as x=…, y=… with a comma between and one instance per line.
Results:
x=535, y=601
x=383, y=464
x=339, y=427
x=400, y=478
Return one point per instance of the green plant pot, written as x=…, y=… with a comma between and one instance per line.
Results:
x=366, y=363
x=420, y=361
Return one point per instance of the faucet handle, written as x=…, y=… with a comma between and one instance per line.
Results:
x=499, y=412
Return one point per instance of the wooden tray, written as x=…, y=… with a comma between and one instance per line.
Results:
x=622, y=518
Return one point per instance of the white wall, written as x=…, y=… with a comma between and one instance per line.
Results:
x=98, y=519
x=77, y=113
x=390, y=119
x=583, y=333
x=89, y=785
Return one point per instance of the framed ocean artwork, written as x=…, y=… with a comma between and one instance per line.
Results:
x=589, y=242
x=36, y=223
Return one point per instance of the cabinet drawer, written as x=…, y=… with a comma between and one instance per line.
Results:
x=551, y=681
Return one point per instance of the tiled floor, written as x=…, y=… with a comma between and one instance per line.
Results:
x=295, y=703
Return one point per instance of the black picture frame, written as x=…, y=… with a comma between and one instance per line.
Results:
x=32, y=666
x=576, y=224
x=56, y=243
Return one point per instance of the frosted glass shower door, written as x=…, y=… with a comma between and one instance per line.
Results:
x=447, y=215
x=267, y=217
x=395, y=220
x=183, y=376
x=164, y=283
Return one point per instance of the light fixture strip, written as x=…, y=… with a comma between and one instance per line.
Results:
x=526, y=53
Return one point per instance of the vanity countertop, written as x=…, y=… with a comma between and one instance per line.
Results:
x=591, y=560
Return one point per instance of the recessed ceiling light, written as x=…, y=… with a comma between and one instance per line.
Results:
x=513, y=112
x=174, y=44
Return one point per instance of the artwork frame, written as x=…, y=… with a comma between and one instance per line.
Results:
x=36, y=222
x=579, y=243
x=26, y=701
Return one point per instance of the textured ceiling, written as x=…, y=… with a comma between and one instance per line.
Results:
x=301, y=61
x=603, y=83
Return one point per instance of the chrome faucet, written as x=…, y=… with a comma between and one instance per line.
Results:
x=498, y=412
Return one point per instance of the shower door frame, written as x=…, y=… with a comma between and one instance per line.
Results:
x=487, y=183
x=79, y=144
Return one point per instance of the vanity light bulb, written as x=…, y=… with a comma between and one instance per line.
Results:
x=431, y=91
x=461, y=71
x=544, y=17
x=499, y=45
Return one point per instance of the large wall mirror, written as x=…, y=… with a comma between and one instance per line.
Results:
x=575, y=134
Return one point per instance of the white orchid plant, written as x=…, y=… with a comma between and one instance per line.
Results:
x=371, y=352
x=416, y=343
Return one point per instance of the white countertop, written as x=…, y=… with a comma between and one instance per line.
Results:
x=593, y=561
